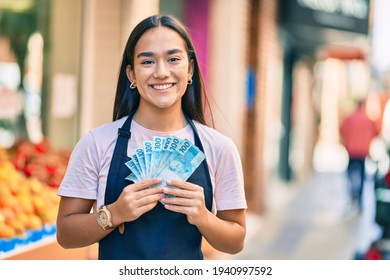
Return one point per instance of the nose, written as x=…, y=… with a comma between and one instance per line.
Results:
x=162, y=70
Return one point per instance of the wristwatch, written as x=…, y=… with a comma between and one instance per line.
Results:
x=104, y=218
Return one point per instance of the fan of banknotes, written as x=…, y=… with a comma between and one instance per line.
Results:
x=169, y=158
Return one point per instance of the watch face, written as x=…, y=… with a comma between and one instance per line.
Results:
x=102, y=218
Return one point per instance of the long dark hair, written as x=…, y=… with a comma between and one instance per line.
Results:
x=127, y=99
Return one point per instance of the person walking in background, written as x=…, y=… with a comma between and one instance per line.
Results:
x=159, y=95
x=357, y=131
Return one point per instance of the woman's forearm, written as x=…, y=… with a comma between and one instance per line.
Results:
x=76, y=225
x=79, y=230
x=224, y=235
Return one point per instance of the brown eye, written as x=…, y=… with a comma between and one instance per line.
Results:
x=146, y=62
x=174, y=59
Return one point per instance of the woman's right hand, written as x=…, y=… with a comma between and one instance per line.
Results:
x=135, y=200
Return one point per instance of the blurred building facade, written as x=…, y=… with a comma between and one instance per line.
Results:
x=278, y=85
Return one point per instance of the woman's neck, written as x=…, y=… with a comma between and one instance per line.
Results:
x=163, y=121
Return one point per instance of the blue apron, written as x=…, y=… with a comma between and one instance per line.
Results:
x=159, y=234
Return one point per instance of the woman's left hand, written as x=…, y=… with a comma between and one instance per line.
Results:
x=188, y=199
x=224, y=231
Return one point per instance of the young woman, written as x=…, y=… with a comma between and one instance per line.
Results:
x=159, y=93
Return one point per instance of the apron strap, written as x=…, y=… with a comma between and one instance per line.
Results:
x=198, y=143
x=120, y=151
x=203, y=165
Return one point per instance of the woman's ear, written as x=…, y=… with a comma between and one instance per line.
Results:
x=130, y=74
x=191, y=68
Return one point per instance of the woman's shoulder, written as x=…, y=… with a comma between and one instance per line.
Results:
x=109, y=128
x=102, y=135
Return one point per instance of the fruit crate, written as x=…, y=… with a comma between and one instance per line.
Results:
x=32, y=238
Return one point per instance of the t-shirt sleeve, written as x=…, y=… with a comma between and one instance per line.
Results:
x=229, y=180
x=81, y=177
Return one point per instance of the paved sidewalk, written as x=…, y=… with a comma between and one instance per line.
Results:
x=310, y=221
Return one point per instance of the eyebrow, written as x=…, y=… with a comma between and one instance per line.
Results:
x=150, y=54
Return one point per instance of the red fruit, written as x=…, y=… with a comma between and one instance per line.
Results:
x=28, y=171
x=40, y=149
x=51, y=169
x=387, y=179
x=373, y=254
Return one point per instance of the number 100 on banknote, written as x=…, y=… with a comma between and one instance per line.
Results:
x=169, y=158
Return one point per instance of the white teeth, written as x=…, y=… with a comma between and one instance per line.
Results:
x=162, y=87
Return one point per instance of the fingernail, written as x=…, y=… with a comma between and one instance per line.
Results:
x=169, y=182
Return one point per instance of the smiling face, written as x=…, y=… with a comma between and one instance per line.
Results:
x=161, y=69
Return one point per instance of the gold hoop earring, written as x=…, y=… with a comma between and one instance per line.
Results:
x=132, y=85
x=189, y=81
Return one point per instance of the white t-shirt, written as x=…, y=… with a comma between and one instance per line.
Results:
x=86, y=176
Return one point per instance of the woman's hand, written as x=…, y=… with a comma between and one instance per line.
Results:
x=188, y=199
x=135, y=200
x=224, y=231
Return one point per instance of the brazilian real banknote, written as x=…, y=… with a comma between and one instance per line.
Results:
x=169, y=158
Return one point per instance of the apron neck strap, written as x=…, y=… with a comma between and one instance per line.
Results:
x=198, y=143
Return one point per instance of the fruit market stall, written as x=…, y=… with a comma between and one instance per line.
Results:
x=27, y=208
x=29, y=177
